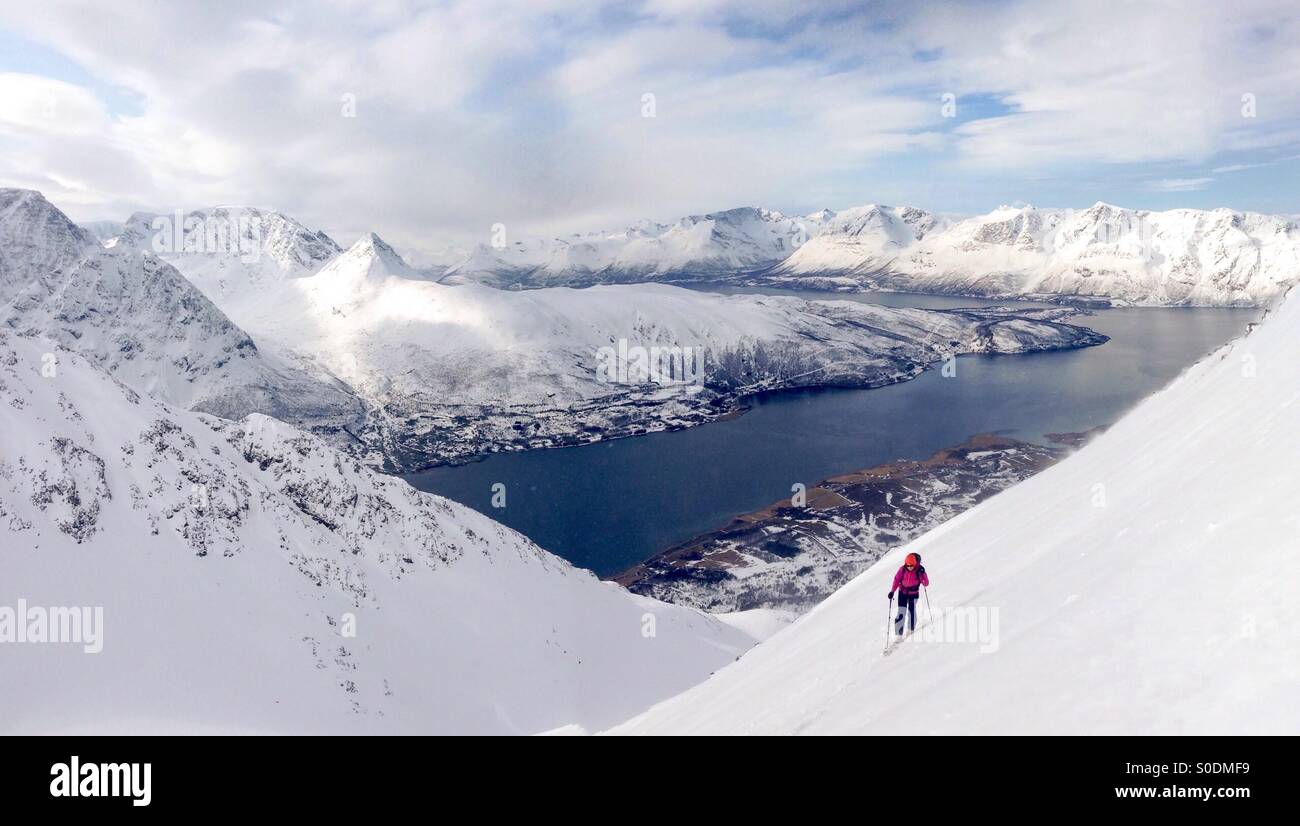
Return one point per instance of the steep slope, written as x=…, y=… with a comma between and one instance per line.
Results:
x=455, y=371
x=253, y=579
x=146, y=324
x=861, y=240
x=231, y=254
x=372, y=259
x=37, y=242
x=1147, y=584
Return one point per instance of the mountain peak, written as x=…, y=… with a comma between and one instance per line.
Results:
x=374, y=258
x=18, y=205
x=370, y=242
x=36, y=240
x=211, y=244
x=14, y=195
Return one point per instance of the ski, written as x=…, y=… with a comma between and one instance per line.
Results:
x=895, y=643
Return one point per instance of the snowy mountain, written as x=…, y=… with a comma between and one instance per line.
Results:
x=1177, y=257
x=230, y=253
x=865, y=238
x=140, y=319
x=1145, y=585
x=693, y=248
x=411, y=372
x=253, y=579
x=37, y=242
x=454, y=371
x=372, y=259
x=103, y=231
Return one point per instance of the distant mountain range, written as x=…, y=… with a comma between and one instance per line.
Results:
x=1180, y=257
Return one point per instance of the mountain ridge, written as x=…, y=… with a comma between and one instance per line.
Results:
x=144, y=322
x=1176, y=257
x=1107, y=253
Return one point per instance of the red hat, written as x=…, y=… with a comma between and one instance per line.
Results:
x=911, y=560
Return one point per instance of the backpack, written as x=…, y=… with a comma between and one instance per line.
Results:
x=920, y=569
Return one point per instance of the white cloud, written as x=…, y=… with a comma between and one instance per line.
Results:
x=1179, y=184
x=470, y=113
x=35, y=105
x=1121, y=82
x=1235, y=167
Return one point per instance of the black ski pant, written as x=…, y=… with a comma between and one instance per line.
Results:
x=906, y=605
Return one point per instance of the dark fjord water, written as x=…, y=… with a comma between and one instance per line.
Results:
x=609, y=505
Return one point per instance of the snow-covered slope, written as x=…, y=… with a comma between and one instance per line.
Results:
x=373, y=259
x=253, y=579
x=694, y=247
x=1148, y=584
x=451, y=371
x=104, y=231
x=863, y=239
x=1177, y=257
x=232, y=254
x=146, y=324
x=37, y=241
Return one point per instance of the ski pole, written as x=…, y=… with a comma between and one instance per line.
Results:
x=889, y=620
x=928, y=616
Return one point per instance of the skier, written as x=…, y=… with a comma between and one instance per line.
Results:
x=907, y=582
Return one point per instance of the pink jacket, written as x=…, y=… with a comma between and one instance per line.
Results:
x=910, y=582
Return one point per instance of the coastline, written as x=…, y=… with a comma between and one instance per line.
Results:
x=787, y=557
x=639, y=411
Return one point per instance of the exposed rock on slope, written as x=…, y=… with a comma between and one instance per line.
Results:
x=146, y=324
x=254, y=579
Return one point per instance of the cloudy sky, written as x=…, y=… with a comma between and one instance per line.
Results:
x=428, y=122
